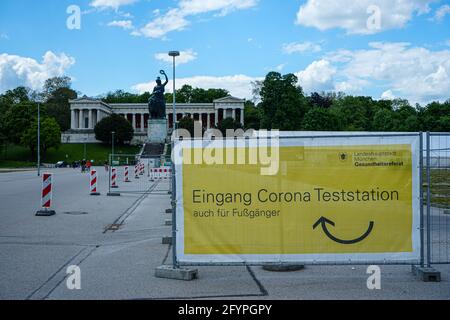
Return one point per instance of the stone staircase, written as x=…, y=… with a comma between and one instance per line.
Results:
x=152, y=150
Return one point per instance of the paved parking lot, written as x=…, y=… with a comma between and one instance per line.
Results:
x=35, y=251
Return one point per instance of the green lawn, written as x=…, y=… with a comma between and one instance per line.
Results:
x=440, y=187
x=15, y=164
x=18, y=157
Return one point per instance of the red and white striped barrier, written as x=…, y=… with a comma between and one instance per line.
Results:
x=141, y=169
x=136, y=171
x=114, y=178
x=126, y=177
x=46, y=196
x=93, y=183
x=160, y=173
x=151, y=174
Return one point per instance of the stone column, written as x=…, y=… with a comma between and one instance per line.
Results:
x=72, y=119
x=242, y=117
x=216, y=117
x=208, y=119
x=95, y=115
x=80, y=119
x=143, y=122
x=91, y=120
x=134, y=121
x=234, y=114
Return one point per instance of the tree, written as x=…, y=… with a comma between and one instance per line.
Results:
x=8, y=129
x=184, y=95
x=283, y=104
x=407, y=119
x=54, y=84
x=187, y=123
x=187, y=94
x=120, y=96
x=15, y=96
x=50, y=135
x=19, y=118
x=123, y=130
x=321, y=101
x=443, y=124
x=58, y=106
x=432, y=117
x=57, y=92
x=228, y=123
x=252, y=116
x=320, y=119
x=355, y=113
x=384, y=121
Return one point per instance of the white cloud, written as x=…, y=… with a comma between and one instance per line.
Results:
x=388, y=95
x=127, y=15
x=4, y=36
x=301, y=47
x=353, y=16
x=185, y=57
x=350, y=85
x=124, y=24
x=280, y=67
x=414, y=73
x=176, y=19
x=399, y=69
x=442, y=12
x=136, y=33
x=171, y=21
x=21, y=71
x=318, y=76
x=238, y=85
x=114, y=4
x=192, y=7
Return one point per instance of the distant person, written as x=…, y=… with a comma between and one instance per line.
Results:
x=83, y=165
x=88, y=165
x=106, y=165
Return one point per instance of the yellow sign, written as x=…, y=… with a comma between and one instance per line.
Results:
x=323, y=200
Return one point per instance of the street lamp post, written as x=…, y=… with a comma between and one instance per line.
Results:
x=112, y=145
x=174, y=54
x=85, y=150
x=39, y=140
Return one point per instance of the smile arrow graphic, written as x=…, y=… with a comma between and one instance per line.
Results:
x=324, y=221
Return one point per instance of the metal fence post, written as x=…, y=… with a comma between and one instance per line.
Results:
x=109, y=173
x=422, y=227
x=428, y=200
x=174, y=212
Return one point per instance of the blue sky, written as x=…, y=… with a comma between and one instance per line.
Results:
x=382, y=48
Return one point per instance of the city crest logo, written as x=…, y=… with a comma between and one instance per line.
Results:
x=343, y=156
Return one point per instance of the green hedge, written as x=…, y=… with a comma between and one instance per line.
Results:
x=66, y=152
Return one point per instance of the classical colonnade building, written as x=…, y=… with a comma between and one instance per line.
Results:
x=87, y=112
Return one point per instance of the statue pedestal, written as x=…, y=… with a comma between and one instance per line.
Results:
x=157, y=130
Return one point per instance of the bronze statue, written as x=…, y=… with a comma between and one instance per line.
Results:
x=157, y=101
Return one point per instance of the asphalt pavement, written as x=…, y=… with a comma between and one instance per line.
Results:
x=116, y=242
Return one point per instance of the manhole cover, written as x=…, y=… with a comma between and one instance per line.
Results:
x=75, y=213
